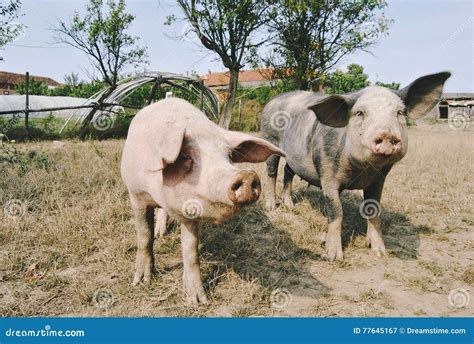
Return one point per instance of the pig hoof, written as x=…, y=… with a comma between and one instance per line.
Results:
x=144, y=271
x=144, y=277
x=196, y=296
x=270, y=205
x=378, y=247
x=288, y=202
x=334, y=250
x=380, y=251
x=161, y=232
x=367, y=242
x=334, y=255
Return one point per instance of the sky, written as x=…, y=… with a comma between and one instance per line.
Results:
x=426, y=36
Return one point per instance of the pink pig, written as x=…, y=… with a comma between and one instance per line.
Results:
x=177, y=161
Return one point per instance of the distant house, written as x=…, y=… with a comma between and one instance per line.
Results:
x=219, y=81
x=454, y=104
x=9, y=82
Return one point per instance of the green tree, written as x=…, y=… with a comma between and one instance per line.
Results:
x=344, y=82
x=9, y=30
x=392, y=85
x=309, y=37
x=72, y=80
x=35, y=87
x=102, y=34
x=227, y=28
x=81, y=90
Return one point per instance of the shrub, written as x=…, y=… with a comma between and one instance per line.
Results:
x=23, y=160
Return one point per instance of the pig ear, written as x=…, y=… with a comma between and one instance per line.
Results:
x=423, y=94
x=247, y=148
x=167, y=147
x=333, y=111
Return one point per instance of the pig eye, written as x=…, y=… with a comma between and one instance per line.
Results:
x=400, y=113
x=359, y=113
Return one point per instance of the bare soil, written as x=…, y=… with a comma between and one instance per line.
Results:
x=71, y=250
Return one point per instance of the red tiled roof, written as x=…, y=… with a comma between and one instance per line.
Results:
x=16, y=79
x=213, y=79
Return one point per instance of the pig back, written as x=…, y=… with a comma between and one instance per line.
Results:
x=152, y=135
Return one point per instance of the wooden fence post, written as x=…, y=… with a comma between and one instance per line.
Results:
x=240, y=112
x=201, y=96
x=256, y=121
x=155, y=88
x=27, y=100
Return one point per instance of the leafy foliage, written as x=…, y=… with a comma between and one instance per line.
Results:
x=102, y=36
x=310, y=37
x=82, y=90
x=353, y=79
x=22, y=160
x=72, y=79
x=344, y=82
x=35, y=87
x=227, y=28
x=392, y=85
x=9, y=30
x=263, y=94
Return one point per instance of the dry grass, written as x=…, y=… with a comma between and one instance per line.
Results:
x=76, y=238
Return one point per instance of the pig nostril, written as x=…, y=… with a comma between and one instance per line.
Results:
x=394, y=141
x=236, y=185
x=245, y=188
x=378, y=141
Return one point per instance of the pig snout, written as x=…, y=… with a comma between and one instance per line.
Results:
x=245, y=188
x=386, y=143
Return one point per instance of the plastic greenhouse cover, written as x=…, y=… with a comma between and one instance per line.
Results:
x=17, y=102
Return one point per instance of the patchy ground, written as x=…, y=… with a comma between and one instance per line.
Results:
x=71, y=249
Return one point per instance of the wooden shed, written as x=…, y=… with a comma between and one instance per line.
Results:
x=454, y=104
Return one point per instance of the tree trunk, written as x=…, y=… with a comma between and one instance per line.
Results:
x=301, y=83
x=226, y=115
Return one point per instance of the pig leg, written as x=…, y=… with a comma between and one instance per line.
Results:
x=334, y=215
x=287, y=186
x=374, y=231
x=272, y=172
x=160, y=222
x=192, y=275
x=144, y=227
